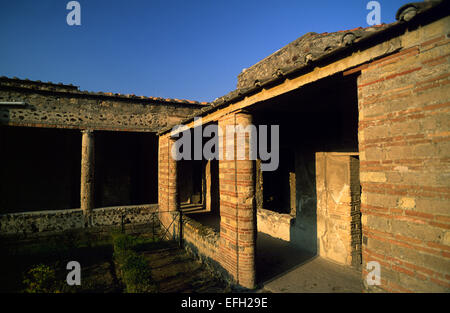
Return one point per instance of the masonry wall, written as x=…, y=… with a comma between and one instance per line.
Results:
x=28, y=225
x=43, y=171
x=235, y=252
x=276, y=225
x=168, y=200
x=51, y=105
x=201, y=241
x=404, y=143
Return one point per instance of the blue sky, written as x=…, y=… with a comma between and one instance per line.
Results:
x=191, y=49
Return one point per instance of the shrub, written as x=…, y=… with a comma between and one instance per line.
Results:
x=133, y=267
x=40, y=279
x=124, y=242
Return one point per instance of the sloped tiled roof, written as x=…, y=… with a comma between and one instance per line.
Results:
x=309, y=49
x=69, y=88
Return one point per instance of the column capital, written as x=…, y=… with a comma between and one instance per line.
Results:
x=87, y=131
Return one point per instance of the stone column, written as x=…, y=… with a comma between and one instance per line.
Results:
x=87, y=173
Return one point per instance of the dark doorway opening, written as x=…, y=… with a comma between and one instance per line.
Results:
x=198, y=182
x=318, y=117
x=40, y=169
x=126, y=165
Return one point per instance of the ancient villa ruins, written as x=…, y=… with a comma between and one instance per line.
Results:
x=364, y=157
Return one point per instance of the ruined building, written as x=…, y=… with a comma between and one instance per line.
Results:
x=364, y=157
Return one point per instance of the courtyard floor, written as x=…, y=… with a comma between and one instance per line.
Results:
x=286, y=269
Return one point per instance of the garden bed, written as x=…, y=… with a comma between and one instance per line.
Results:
x=41, y=266
x=110, y=264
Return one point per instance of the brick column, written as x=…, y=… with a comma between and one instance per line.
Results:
x=167, y=181
x=237, y=206
x=87, y=173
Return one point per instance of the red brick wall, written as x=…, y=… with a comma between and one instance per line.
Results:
x=167, y=182
x=236, y=248
x=237, y=208
x=404, y=142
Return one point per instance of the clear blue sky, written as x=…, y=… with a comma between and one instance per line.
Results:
x=191, y=49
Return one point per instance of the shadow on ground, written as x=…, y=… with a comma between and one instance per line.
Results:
x=282, y=267
x=275, y=257
x=173, y=270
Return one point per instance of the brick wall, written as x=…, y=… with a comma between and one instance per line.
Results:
x=234, y=251
x=167, y=183
x=404, y=143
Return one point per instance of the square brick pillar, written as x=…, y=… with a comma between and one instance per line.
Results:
x=167, y=182
x=237, y=204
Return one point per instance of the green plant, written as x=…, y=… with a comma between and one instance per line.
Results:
x=124, y=242
x=40, y=279
x=133, y=267
x=137, y=274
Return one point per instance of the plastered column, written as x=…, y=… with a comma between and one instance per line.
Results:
x=87, y=173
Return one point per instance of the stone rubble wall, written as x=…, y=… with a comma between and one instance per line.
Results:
x=276, y=225
x=61, y=108
x=29, y=224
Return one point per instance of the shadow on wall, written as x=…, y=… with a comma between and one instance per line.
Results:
x=4, y=116
x=303, y=230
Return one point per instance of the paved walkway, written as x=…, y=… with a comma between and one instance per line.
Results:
x=283, y=268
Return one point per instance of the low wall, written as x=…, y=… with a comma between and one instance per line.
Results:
x=205, y=239
x=274, y=224
x=202, y=242
x=41, y=223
